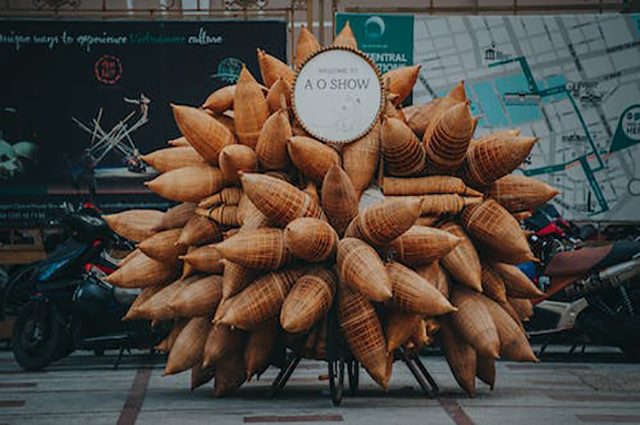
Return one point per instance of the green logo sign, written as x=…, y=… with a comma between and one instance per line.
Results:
x=628, y=131
x=386, y=39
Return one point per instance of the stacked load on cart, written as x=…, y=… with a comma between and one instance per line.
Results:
x=271, y=231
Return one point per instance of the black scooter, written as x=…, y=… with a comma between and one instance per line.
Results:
x=62, y=304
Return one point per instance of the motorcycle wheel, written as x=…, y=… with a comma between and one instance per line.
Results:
x=38, y=338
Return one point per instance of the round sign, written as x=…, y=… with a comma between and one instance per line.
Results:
x=337, y=95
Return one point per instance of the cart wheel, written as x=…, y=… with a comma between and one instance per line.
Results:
x=336, y=381
x=354, y=376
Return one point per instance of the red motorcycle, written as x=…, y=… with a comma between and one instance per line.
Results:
x=592, y=293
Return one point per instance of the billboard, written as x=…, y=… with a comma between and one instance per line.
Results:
x=79, y=99
x=571, y=80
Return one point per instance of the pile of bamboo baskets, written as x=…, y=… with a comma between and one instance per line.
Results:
x=268, y=234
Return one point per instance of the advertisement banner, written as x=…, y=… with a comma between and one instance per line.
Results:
x=571, y=81
x=387, y=39
x=79, y=100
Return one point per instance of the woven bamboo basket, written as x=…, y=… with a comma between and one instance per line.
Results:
x=339, y=199
x=167, y=344
x=413, y=294
x=271, y=148
x=311, y=239
x=312, y=191
x=360, y=159
x=517, y=283
x=136, y=225
x=462, y=262
x=345, y=37
x=312, y=157
x=235, y=158
x=474, y=323
x=261, y=300
x=222, y=341
x=199, y=231
x=168, y=159
x=205, y=259
x=225, y=119
x=513, y=341
x=272, y=68
x=249, y=216
x=492, y=284
x=419, y=337
x=142, y=271
x=198, y=299
x=434, y=274
x=392, y=186
x=162, y=246
x=400, y=327
x=492, y=225
x=402, y=151
x=230, y=374
x=401, y=81
x=421, y=245
x=180, y=141
x=426, y=117
x=522, y=216
x=235, y=278
x=280, y=90
x=360, y=267
x=391, y=111
x=380, y=224
x=419, y=117
x=257, y=249
x=309, y=300
x=520, y=193
x=201, y=376
x=523, y=307
x=221, y=99
x=513, y=314
x=460, y=356
x=486, y=370
x=188, y=184
x=225, y=215
x=250, y=109
x=279, y=201
x=203, y=132
x=429, y=220
x=449, y=204
x=446, y=141
x=134, y=310
x=259, y=348
x=492, y=158
x=227, y=196
x=157, y=306
x=176, y=217
x=187, y=268
x=188, y=347
x=306, y=45
x=363, y=332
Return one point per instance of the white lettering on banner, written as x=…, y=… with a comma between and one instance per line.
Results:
x=204, y=38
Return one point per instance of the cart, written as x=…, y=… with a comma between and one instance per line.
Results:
x=339, y=358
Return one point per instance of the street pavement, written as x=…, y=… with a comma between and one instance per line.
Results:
x=597, y=387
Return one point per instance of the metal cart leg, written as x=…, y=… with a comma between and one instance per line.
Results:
x=416, y=373
x=353, y=368
x=336, y=380
x=427, y=375
x=284, y=375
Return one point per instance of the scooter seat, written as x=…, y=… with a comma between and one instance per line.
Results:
x=590, y=259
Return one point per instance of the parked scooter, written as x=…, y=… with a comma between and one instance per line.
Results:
x=589, y=291
x=62, y=304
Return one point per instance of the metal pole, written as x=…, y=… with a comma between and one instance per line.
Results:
x=321, y=20
x=310, y=15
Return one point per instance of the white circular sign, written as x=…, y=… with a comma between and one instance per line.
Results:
x=337, y=95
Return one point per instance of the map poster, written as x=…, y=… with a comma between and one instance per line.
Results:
x=386, y=39
x=79, y=100
x=573, y=81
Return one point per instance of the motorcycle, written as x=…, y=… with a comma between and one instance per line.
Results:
x=592, y=293
x=63, y=304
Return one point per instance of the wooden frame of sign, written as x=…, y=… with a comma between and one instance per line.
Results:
x=338, y=103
